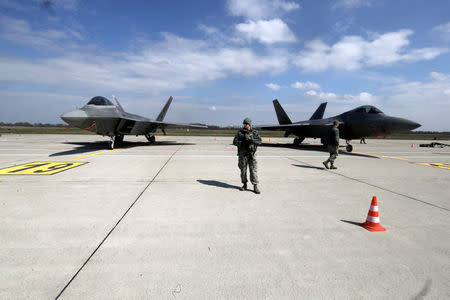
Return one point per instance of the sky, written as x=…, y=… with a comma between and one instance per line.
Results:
x=226, y=60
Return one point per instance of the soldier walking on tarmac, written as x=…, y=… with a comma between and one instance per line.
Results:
x=247, y=140
x=333, y=145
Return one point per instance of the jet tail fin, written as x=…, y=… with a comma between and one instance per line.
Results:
x=163, y=112
x=318, y=114
x=283, y=118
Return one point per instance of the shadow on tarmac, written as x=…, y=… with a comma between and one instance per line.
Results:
x=320, y=148
x=308, y=167
x=353, y=223
x=104, y=145
x=218, y=184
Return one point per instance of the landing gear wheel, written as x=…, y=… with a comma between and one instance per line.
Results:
x=297, y=142
x=349, y=148
x=151, y=138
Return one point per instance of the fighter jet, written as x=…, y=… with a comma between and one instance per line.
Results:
x=363, y=121
x=103, y=117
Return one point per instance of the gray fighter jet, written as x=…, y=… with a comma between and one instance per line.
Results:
x=363, y=121
x=103, y=117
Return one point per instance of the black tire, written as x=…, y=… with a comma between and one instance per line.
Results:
x=349, y=148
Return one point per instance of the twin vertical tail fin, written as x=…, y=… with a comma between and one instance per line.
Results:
x=283, y=118
x=163, y=112
x=318, y=114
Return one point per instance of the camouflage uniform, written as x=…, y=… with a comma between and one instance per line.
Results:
x=333, y=145
x=247, y=141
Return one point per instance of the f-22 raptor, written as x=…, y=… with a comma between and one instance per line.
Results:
x=103, y=117
x=363, y=121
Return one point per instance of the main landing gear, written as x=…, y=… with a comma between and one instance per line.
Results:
x=298, y=141
x=150, y=138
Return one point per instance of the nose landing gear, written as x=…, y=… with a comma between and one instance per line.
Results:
x=150, y=138
x=349, y=147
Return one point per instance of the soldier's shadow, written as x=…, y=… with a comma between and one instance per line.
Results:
x=218, y=184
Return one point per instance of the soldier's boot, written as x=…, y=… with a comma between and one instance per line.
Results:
x=244, y=187
x=333, y=167
x=256, y=190
x=325, y=163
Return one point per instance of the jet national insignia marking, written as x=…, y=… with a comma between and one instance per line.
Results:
x=103, y=117
x=40, y=168
x=363, y=121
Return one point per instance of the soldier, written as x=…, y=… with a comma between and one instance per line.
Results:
x=333, y=145
x=247, y=140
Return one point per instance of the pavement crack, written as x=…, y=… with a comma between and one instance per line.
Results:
x=374, y=185
x=117, y=223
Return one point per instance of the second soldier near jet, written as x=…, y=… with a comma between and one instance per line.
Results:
x=247, y=141
x=333, y=145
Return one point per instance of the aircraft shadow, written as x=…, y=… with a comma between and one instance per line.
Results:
x=104, y=145
x=308, y=167
x=218, y=184
x=319, y=148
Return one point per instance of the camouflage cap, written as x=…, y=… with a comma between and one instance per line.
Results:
x=335, y=122
x=247, y=121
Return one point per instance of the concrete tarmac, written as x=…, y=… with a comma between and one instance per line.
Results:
x=167, y=221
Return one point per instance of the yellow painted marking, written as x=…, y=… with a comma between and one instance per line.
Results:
x=437, y=165
x=1, y=178
x=40, y=168
x=384, y=156
x=94, y=154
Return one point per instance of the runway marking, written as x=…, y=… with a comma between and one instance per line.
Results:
x=94, y=154
x=384, y=156
x=437, y=165
x=117, y=223
x=374, y=185
x=40, y=168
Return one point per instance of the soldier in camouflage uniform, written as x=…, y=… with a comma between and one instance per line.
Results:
x=332, y=144
x=247, y=140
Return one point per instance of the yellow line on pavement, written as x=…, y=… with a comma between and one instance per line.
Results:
x=94, y=154
x=384, y=156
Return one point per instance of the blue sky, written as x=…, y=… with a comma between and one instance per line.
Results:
x=226, y=60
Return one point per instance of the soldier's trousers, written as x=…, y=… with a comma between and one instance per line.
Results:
x=333, y=153
x=250, y=162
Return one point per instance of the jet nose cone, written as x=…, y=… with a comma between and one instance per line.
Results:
x=74, y=117
x=406, y=125
x=414, y=125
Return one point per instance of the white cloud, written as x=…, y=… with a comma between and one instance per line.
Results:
x=260, y=9
x=268, y=32
x=305, y=85
x=311, y=93
x=352, y=3
x=273, y=86
x=172, y=64
x=444, y=30
x=354, y=52
x=213, y=108
x=438, y=76
x=20, y=31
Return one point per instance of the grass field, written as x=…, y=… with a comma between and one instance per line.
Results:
x=208, y=132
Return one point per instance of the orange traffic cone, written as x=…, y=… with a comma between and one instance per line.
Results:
x=373, y=220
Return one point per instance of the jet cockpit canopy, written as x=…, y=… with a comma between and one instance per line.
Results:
x=369, y=109
x=99, y=100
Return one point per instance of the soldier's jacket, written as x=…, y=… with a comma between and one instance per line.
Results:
x=333, y=136
x=247, y=141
